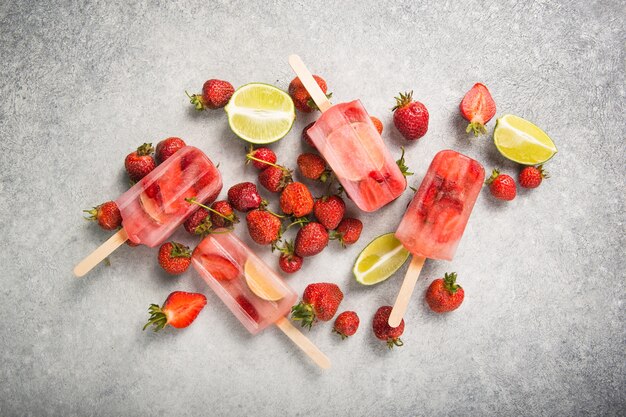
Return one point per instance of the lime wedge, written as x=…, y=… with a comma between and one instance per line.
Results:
x=379, y=260
x=257, y=281
x=521, y=141
x=260, y=113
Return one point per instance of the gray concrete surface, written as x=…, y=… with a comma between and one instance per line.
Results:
x=542, y=329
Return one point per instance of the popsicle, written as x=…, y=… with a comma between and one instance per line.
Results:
x=346, y=137
x=153, y=207
x=435, y=220
x=253, y=292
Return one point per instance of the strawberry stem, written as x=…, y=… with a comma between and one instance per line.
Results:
x=450, y=284
x=477, y=127
x=157, y=318
x=196, y=202
x=145, y=149
x=403, y=167
x=196, y=100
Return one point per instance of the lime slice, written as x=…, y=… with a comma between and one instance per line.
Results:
x=260, y=113
x=379, y=260
x=257, y=281
x=521, y=141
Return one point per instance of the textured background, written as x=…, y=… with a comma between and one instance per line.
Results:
x=542, y=329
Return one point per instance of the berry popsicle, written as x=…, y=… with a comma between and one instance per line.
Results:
x=153, y=207
x=434, y=222
x=348, y=140
x=253, y=292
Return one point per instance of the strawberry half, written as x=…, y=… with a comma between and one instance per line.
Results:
x=478, y=108
x=179, y=310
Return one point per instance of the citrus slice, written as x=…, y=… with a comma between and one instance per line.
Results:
x=259, y=284
x=379, y=260
x=521, y=141
x=260, y=113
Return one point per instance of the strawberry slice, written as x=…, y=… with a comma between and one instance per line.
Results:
x=179, y=310
x=478, y=108
x=219, y=267
x=247, y=306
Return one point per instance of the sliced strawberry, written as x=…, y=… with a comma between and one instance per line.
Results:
x=152, y=191
x=219, y=267
x=378, y=176
x=247, y=307
x=179, y=310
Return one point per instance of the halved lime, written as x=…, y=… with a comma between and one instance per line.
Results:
x=260, y=113
x=379, y=260
x=521, y=141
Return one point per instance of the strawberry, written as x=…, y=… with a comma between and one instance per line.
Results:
x=502, y=186
x=264, y=227
x=329, y=211
x=346, y=324
x=179, y=310
x=199, y=223
x=174, y=257
x=348, y=231
x=247, y=307
x=531, y=177
x=244, y=196
x=140, y=162
x=478, y=108
x=106, y=214
x=301, y=97
x=384, y=331
x=261, y=157
x=305, y=135
x=223, y=214
x=378, y=124
x=311, y=239
x=219, y=267
x=296, y=199
x=215, y=94
x=444, y=294
x=410, y=117
x=313, y=167
x=274, y=178
x=320, y=301
x=289, y=261
x=167, y=147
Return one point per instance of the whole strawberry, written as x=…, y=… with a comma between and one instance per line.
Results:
x=477, y=107
x=384, y=331
x=264, y=227
x=444, y=294
x=244, y=196
x=179, y=310
x=531, y=177
x=288, y=261
x=174, y=257
x=305, y=135
x=329, y=211
x=215, y=94
x=410, y=117
x=319, y=302
x=275, y=178
x=167, y=147
x=106, y=214
x=311, y=239
x=296, y=199
x=199, y=223
x=502, y=186
x=261, y=157
x=223, y=215
x=313, y=167
x=378, y=124
x=348, y=231
x=140, y=162
x=346, y=324
x=301, y=97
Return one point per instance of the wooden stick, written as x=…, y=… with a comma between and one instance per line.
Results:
x=404, y=296
x=303, y=343
x=318, y=96
x=104, y=250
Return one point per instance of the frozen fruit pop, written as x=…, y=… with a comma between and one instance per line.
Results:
x=253, y=292
x=434, y=222
x=153, y=207
x=348, y=140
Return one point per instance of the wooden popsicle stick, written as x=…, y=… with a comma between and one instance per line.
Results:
x=404, y=296
x=303, y=343
x=309, y=83
x=104, y=250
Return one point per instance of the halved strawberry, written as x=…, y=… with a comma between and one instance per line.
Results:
x=477, y=107
x=219, y=267
x=179, y=310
